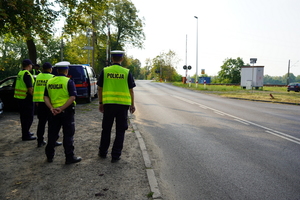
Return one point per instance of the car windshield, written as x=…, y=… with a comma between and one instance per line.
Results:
x=7, y=83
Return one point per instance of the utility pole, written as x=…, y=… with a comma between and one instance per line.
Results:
x=196, y=53
x=62, y=47
x=93, y=41
x=186, y=58
x=288, y=76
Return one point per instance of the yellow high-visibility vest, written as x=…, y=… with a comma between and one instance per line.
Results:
x=58, y=90
x=21, y=88
x=39, y=86
x=115, y=86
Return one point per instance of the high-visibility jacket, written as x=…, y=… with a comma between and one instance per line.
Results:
x=115, y=86
x=39, y=86
x=58, y=90
x=36, y=72
x=21, y=88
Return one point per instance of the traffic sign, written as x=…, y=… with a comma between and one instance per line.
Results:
x=88, y=48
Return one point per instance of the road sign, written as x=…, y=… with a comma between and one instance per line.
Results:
x=88, y=48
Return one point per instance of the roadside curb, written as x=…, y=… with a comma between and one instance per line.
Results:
x=149, y=170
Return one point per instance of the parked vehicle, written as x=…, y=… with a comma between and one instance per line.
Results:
x=84, y=78
x=1, y=107
x=293, y=87
x=7, y=90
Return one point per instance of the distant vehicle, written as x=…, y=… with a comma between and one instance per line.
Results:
x=84, y=78
x=293, y=87
x=1, y=107
x=7, y=90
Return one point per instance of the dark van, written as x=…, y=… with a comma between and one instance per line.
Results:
x=84, y=78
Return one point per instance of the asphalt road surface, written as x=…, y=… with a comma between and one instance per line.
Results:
x=207, y=147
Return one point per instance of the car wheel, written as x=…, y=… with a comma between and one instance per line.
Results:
x=288, y=90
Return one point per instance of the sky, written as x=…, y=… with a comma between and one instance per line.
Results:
x=268, y=30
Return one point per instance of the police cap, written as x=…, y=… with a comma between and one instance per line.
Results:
x=117, y=53
x=47, y=65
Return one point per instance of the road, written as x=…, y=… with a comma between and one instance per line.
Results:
x=207, y=147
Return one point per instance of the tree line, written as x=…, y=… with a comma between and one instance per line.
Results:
x=27, y=31
x=92, y=28
x=230, y=73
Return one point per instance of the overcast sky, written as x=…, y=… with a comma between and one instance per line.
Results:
x=268, y=30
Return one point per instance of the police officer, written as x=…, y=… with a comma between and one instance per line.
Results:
x=43, y=112
x=36, y=69
x=115, y=91
x=60, y=94
x=23, y=92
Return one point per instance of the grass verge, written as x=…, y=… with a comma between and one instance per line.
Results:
x=270, y=94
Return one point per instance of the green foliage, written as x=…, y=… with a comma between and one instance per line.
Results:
x=50, y=52
x=134, y=65
x=165, y=63
x=230, y=71
x=126, y=26
x=31, y=22
x=27, y=20
x=281, y=80
x=73, y=51
x=12, y=53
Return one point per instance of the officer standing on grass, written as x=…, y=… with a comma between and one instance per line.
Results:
x=60, y=95
x=116, y=96
x=43, y=112
x=23, y=93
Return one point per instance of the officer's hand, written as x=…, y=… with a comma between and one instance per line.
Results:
x=101, y=108
x=132, y=109
x=58, y=110
x=53, y=111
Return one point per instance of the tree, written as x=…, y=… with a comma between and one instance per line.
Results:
x=126, y=26
x=27, y=19
x=114, y=24
x=134, y=65
x=12, y=52
x=230, y=71
x=74, y=52
x=166, y=63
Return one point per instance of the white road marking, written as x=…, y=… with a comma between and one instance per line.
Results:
x=241, y=121
x=268, y=130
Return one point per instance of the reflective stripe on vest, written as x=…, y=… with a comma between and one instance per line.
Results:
x=115, y=86
x=58, y=90
x=39, y=86
x=21, y=88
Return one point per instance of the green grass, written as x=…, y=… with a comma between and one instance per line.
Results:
x=279, y=94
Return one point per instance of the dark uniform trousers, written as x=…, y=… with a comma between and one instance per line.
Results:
x=43, y=114
x=26, y=108
x=112, y=111
x=66, y=121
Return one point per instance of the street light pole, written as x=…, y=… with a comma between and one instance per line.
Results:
x=196, y=53
x=186, y=58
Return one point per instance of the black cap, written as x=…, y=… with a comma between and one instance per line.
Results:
x=47, y=65
x=27, y=62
